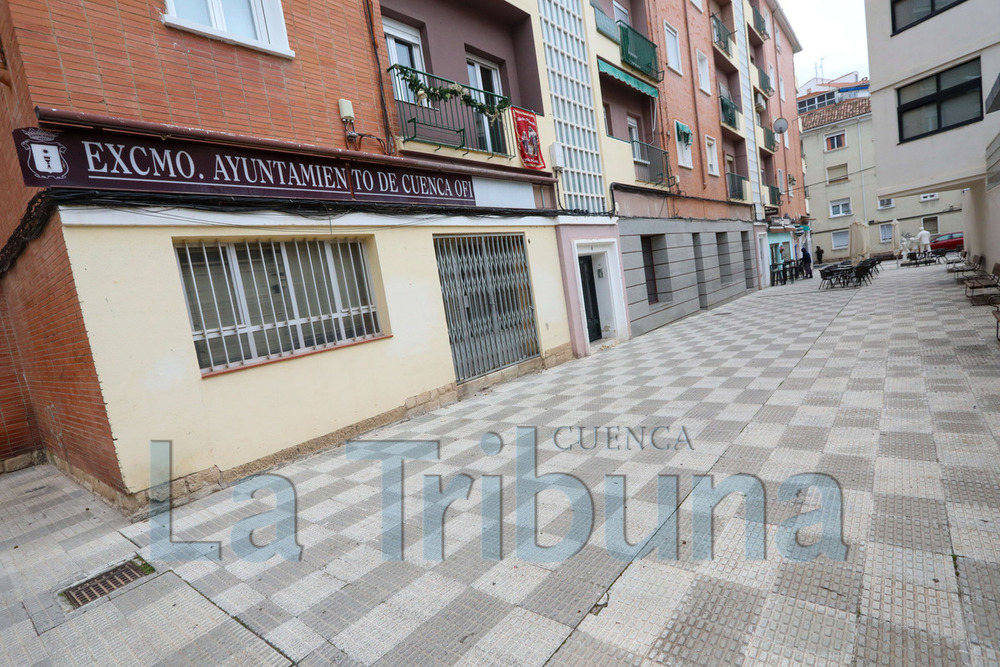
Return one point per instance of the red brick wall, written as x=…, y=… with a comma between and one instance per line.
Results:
x=56, y=360
x=16, y=435
x=116, y=57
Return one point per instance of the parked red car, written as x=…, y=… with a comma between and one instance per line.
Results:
x=948, y=242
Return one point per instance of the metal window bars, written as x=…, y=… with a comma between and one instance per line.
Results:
x=651, y=163
x=730, y=113
x=255, y=300
x=722, y=35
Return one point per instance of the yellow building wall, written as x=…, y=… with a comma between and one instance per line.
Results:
x=134, y=308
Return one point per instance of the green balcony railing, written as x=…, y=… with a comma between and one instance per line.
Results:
x=639, y=52
x=451, y=122
x=759, y=24
x=765, y=81
x=770, y=141
x=730, y=113
x=651, y=163
x=773, y=195
x=737, y=186
x=605, y=24
x=722, y=35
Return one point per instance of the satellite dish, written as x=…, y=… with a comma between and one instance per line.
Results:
x=780, y=126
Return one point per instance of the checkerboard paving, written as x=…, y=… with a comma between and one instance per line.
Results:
x=892, y=389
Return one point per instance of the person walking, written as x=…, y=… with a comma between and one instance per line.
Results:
x=807, y=263
x=819, y=255
x=924, y=239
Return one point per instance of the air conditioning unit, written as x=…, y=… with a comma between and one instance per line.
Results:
x=760, y=102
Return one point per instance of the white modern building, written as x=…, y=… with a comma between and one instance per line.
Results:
x=933, y=66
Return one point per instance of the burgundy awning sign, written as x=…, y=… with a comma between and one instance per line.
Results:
x=105, y=161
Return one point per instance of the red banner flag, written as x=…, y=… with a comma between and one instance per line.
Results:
x=526, y=129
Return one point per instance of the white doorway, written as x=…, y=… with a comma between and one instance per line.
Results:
x=601, y=292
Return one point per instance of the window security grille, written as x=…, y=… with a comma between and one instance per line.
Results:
x=257, y=300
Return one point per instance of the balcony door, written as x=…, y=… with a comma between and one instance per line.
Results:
x=485, y=76
x=403, y=44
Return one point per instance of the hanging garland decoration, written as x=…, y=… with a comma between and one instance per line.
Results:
x=423, y=92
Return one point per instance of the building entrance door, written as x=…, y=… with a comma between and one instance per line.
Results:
x=591, y=310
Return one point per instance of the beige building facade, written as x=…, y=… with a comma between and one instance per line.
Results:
x=839, y=149
x=934, y=120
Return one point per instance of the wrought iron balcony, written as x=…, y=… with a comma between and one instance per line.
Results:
x=765, y=81
x=773, y=195
x=651, y=163
x=730, y=113
x=639, y=52
x=605, y=24
x=737, y=186
x=759, y=24
x=723, y=36
x=770, y=140
x=452, y=122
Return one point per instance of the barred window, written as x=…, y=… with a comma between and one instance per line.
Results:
x=256, y=300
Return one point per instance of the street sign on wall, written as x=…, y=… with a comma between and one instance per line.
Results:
x=105, y=161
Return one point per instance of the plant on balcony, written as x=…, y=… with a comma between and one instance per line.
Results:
x=423, y=93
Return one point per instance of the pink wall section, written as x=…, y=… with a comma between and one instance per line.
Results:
x=566, y=236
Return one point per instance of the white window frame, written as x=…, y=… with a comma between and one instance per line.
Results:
x=698, y=4
x=685, y=157
x=843, y=141
x=784, y=136
x=704, y=73
x=789, y=189
x=781, y=88
x=673, y=48
x=781, y=181
x=621, y=14
x=395, y=30
x=845, y=178
x=269, y=22
x=882, y=229
x=925, y=222
x=777, y=40
x=712, y=155
x=840, y=207
x=843, y=234
x=882, y=205
x=930, y=196
x=632, y=125
x=252, y=324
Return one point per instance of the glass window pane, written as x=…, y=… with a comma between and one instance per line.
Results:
x=404, y=52
x=959, y=75
x=193, y=10
x=960, y=109
x=239, y=18
x=917, y=90
x=910, y=11
x=919, y=121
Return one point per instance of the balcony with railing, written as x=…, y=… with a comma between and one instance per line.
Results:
x=639, y=52
x=770, y=141
x=764, y=81
x=773, y=195
x=730, y=114
x=723, y=38
x=651, y=163
x=759, y=24
x=737, y=186
x=441, y=112
x=605, y=24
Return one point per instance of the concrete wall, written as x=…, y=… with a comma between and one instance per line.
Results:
x=135, y=313
x=953, y=158
x=685, y=283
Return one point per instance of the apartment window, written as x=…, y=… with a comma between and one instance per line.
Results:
x=257, y=300
x=930, y=196
x=256, y=23
x=607, y=120
x=777, y=39
x=633, y=137
x=770, y=75
x=791, y=182
x=621, y=14
x=839, y=207
x=784, y=137
x=886, y=203
x=697, y=3
x=781, y=180
x=906, y=13
x=704, y=78
x=683, y=137
x=817, y=102
x=836, y=173
x=673, y=48
x=930, y=224
x=885, y=233
x=949, y=99
x=781, y=88
x=403, y=44
x=835, y=141
x=712, y=156
x=649, y=269
x=838, y=240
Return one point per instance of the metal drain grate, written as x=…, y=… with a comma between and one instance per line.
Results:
x=103, y=584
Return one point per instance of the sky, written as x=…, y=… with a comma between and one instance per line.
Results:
x=830, y=32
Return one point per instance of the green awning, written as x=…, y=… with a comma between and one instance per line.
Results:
x=626, y=78
x=684, y=132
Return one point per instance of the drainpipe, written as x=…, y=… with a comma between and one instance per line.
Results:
x=693, y=59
